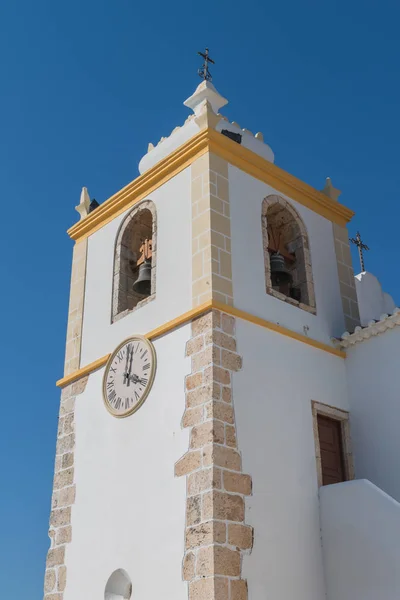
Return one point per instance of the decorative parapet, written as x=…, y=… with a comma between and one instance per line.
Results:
x=373, y=328
x=216, y=536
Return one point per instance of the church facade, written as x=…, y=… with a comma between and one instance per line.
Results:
x=220, y=436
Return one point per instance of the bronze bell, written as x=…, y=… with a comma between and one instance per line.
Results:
x=142, y=284
x=280, y=276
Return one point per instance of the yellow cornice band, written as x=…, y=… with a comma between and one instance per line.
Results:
x=195, y=312
x=209, y=140
x=241, y=314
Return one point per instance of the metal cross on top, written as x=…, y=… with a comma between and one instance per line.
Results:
x=361, y=246
x=204, y=72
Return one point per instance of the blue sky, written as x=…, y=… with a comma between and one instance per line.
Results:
x=84, y=87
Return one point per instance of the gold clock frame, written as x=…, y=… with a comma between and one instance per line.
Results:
x=151, y=376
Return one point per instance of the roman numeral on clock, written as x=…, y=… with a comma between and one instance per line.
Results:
x=111, y=396
x=146, y=366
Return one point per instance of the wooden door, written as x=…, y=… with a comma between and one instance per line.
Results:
x=330, y=442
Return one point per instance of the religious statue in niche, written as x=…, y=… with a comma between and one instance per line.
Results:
x=142, y=284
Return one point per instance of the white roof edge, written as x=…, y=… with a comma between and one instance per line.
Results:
x=374, y=328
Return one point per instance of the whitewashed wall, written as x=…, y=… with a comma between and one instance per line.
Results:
x=374, y=384
x=360, y=528
x=246, y=195
x=272, y=399
x=174, y=273
x=130, y=509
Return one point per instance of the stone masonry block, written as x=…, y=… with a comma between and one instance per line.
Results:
x=202, y=359
x=63, y=535
x=221, y=456
x=209, y=588
x=65, y=444
x=206, y=479
x=202, y=324
x=240, y=536
x=238, y=589
x=217, y=560
x=194, y=345
x=220, y=505
x=237, y=483
x=193, y=510
x=189, y=462
x=49, y=580
x=207, y=433
x=221, y=411
x=228, y=324
x=193, y=416
x=55, y=556
x=230, y=436
x=63, y=478
x=205, y=534
x=62, y=578
x=230, y=360
x=199, y=396
x=194, y=381
x=188, y=567
x=60, y=517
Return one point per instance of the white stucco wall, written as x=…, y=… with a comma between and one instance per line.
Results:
x=372, y=300
x=130, y=509
x=174, y=269
x=374, y=383
x=360, y=528
x=272, y=399
x=246, y=195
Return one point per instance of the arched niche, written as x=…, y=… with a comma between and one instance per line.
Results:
x=118, y=586
x=285, y=233
x=139, y=225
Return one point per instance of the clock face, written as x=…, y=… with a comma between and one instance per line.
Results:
x=129, y=376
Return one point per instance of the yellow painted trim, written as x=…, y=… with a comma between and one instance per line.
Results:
x=151, y=335
x=209, y=140
x=281, y=180
x=93, y=366
x=195, y=312
x=241, y=314
x=141, y=187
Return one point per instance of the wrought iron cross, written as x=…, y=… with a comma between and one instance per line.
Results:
x=204, y=72
x=361, y=246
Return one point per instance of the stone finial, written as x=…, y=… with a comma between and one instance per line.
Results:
x=205, y=91
x=84, y=203
x=330, y=191
x=259, y=136
x=206, y=117
x=150, y=147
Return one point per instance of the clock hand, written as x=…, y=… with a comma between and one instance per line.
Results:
x=126, y=364
x=130, y=367
x=134, y=378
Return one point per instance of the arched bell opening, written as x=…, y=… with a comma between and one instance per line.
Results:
x=287, y=260
x=118, y=586
x=135, y=260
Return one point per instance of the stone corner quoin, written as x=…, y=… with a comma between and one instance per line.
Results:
x=216, y=536
x=63, y=498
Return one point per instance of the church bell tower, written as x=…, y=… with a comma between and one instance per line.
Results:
x=204, y=298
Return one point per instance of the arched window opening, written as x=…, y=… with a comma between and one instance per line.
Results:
x=135, y=260
x=119, y=586
x=287, y=260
